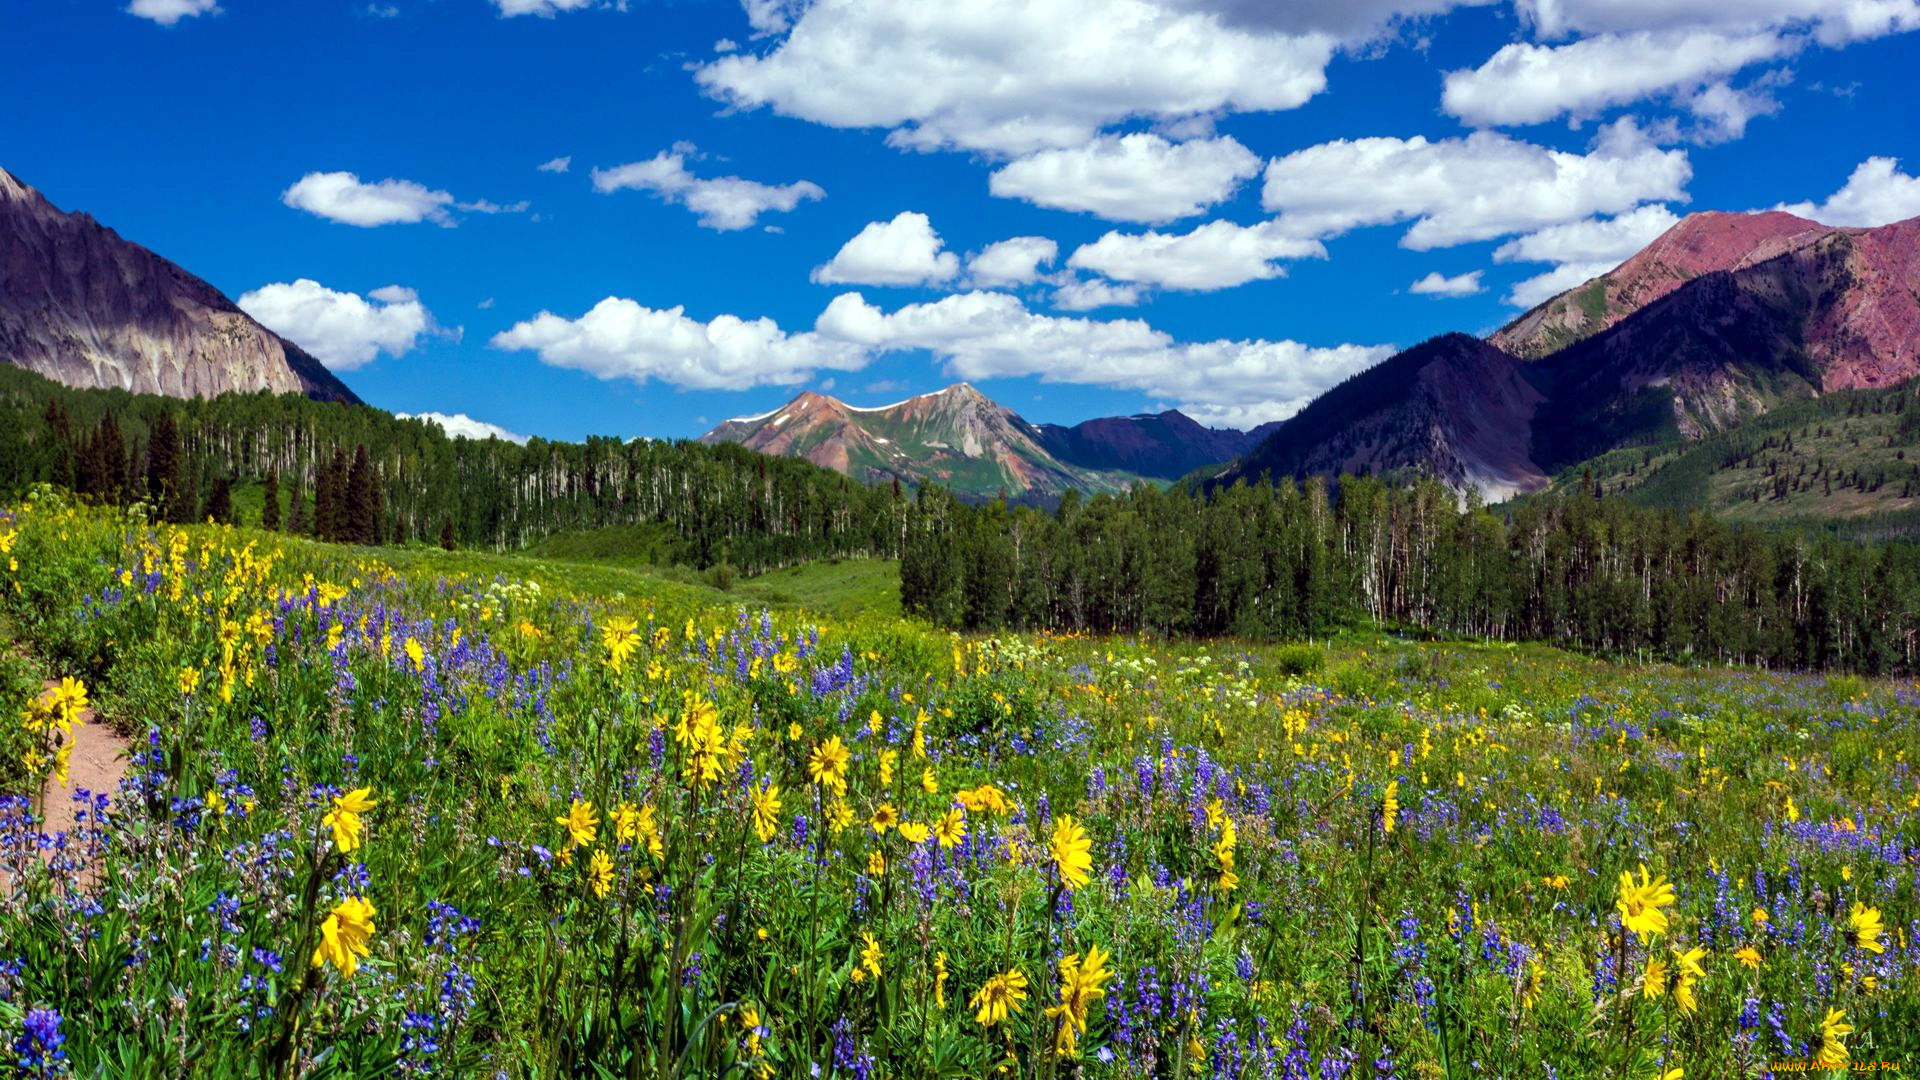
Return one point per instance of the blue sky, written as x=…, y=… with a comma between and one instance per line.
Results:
x=1085, y=207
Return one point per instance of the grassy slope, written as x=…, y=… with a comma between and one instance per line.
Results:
x=1810, y=443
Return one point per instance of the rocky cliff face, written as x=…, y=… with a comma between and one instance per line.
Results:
x=80, y=305
x=955, y=437
x=1836, y=309
x=1699, y=244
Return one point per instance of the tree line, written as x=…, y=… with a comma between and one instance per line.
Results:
x=1303, y=557
x=357, y=474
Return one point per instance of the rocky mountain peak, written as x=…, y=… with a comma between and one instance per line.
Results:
x=82, y=306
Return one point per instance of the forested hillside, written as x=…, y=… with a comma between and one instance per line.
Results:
x=1279, y=561
x=358, y=474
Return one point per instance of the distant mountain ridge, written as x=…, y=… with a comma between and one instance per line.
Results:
x=960, y=439
x=1721, y=319
x=1165, y=446
x=85, y=307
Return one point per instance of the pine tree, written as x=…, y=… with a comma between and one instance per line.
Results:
x=270, y=504
x=220, y=501
x=298, y=522
x=446, y=534
x=361, y=522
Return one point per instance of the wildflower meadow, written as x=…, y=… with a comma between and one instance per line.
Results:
x=416, y=812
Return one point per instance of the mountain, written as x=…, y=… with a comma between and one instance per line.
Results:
x=1824, y=310
x=1454, y=406
x=1165, y=446
x=1724, y=318
x=82, y=306
x=1698, y=244
x=956, y=437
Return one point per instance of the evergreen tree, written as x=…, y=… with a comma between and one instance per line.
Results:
x=446, y=534
x=270, y=504
x=360, y=510
x=299, y=523
x=220, y=501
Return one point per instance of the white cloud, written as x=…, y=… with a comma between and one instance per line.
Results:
x=1461, y=190
x=1535, y=290
x=1723, y=110
x=1217, y=255
x=1877, y=193
x=342, y=197
x=724, y=203
x=1354, y=21
x=1086, y=295
x=1527, y=83
x=984, y=335
x=1609, y=240
x=1012, y=76
x=1832, y=22
x=557, y=165
x=342, y=329
x=168, y=12
x=1583, y=250
x=621, y=339
x=546, y=9
x=904, y=251
x=1139, y=177
x=1436, y=284
x=1014, y=261
x=485, y=206
x=462, y=426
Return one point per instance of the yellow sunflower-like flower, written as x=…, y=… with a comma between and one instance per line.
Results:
x=870, y=956
x=1641, y=903
x=1833, y=1038
x=1082, y=982
x=827, y=765
x=345, y=934
x=1390, y=807
x=345, y=818
x=581, y=823
x=1071, y=850
x=1864, y=928
x=766, y=812
x=951, y=827
x=884, y=817
x=999, y=998
x=620, y=637
x=914, y=833
x=600, y=874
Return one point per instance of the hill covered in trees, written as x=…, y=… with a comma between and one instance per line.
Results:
x=357, y=474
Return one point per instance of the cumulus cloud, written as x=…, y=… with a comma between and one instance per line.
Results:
x=1352, y=20
x=1528, y=83
x=621, y=339
x=343, y=197
x=1582, y=250
x=1437, y=284
x=1877, y=193
x=1140, y=177
x=343, y=330
x=1217, y=255
x=462, y=426
x=1831, y=22
x=1012, y=77
x=1088, y=294
x=1014, y=261
x=557, y=165
x=168, y=12
x=904, y=251
x=1461, y=190
x=546, y=9
x=723, y=203
x=985, y=335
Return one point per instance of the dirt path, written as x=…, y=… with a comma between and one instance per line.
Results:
x=99, y=761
